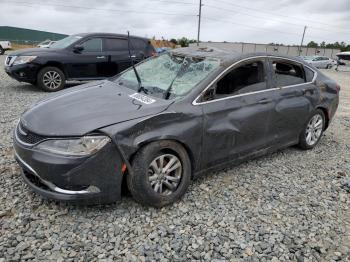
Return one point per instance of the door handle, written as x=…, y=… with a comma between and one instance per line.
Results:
x=100, y=57
x=265, y=101
x=133, y=56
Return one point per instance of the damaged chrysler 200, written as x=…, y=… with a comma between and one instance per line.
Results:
x=158, y=125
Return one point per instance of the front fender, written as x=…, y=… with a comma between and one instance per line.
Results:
x=186, y=129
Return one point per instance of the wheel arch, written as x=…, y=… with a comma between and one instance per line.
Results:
x=326, y=115
x=54, y=64
x=124, y=186
x=173, y=139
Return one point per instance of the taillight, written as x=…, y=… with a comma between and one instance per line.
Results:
x=154, y=53
x=338, y=87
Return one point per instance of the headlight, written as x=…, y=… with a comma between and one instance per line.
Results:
x=23, y=60
x=82, y=146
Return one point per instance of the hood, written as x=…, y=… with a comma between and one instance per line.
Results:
x=35, y=51
x=83, y=109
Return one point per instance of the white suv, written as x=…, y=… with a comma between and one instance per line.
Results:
x=4, y=45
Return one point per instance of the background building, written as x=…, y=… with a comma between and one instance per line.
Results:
x=25, y=36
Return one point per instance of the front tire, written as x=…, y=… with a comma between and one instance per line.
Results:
x=51, y=79
x=2, y=50
x=161, y=173
x=313, y=130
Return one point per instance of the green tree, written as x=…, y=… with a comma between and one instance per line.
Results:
x=312, y=44
x=174, y=41
x=184, y=42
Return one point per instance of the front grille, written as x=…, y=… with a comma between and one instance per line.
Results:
x=25, y=136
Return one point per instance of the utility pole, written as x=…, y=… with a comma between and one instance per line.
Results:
x=302, y=40
x=199, y=20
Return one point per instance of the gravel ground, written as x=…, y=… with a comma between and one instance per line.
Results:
x=289, y=205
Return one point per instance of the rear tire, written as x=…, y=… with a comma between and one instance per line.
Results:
x=51, y=79
x=161, y=173
x=2, y=51
x=313, y=130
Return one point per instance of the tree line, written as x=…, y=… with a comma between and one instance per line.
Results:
x=184, y=42
x=342, y=45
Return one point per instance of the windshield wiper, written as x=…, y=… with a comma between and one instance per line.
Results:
x=140, y=87
x=184, y=65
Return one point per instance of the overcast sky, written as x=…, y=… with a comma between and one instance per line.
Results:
x=256, y=21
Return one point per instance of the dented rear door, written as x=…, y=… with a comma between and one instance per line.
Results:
x=294, y=104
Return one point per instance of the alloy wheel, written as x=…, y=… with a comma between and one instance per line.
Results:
x=314, y=130
x=52, y=79
x=164, y=174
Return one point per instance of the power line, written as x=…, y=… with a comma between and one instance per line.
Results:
x=273, y=13
x=248, y=26
x=172, y=2
x=99, y=9
x=270, y=19
x=255, y=28
x=240, y=12
x=31, y=4
x=255, y=16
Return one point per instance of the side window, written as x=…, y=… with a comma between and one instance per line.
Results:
x=116, y=44
x=309, y=74
x=287, y=73
x=138, y=44
x=249, y=77
x=92, y=45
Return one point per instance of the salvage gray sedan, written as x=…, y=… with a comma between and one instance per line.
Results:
x=155, y=127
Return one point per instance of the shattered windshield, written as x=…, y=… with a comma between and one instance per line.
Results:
x=164, y=71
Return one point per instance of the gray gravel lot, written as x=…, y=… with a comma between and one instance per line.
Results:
x=289, y=205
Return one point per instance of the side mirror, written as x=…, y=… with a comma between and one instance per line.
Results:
x=78, y=48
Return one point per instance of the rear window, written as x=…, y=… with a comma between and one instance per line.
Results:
x=116, y=44
x=287, y=73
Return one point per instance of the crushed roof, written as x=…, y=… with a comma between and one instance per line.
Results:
x=226, y=57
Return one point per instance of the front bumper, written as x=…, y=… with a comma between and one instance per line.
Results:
x=23, y=73
x=95, y=179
